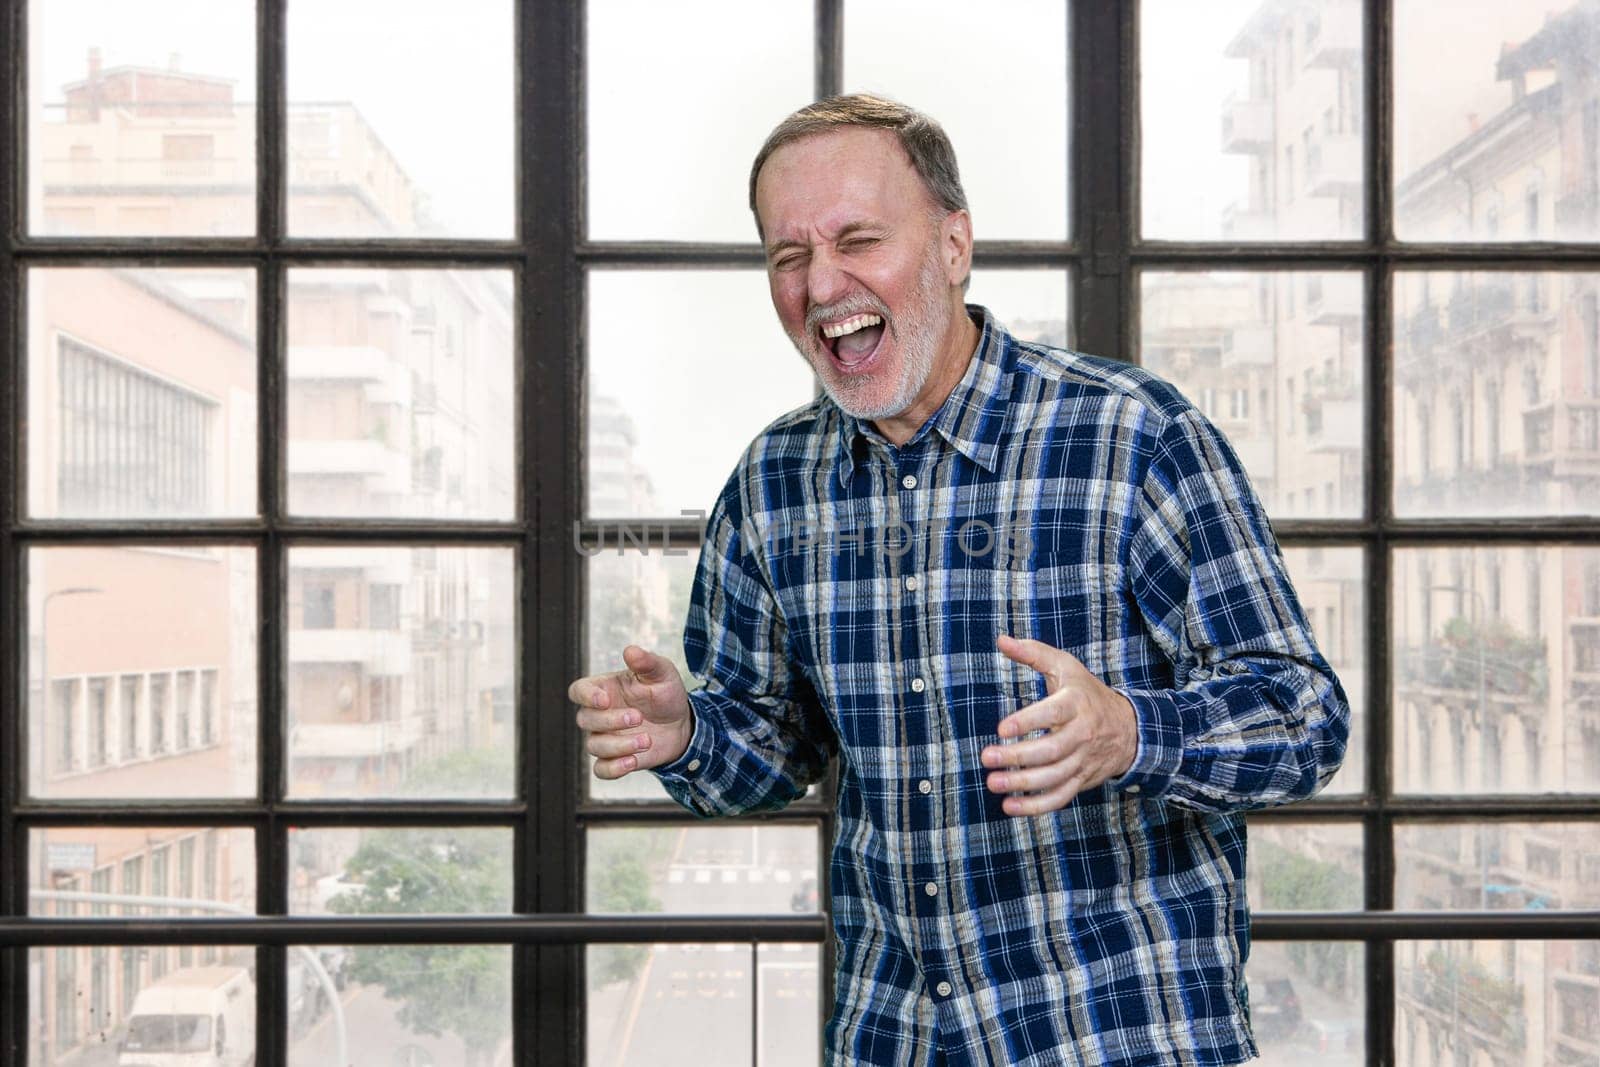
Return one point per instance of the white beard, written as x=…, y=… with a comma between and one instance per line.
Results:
x=915, y=334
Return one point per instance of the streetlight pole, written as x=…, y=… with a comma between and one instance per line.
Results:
x=44, y=644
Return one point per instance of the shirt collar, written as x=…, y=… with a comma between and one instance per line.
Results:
x=972, y=418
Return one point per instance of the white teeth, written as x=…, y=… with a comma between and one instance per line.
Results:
x=850, y=325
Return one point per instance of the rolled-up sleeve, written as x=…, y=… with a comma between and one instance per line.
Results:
x=1256, y=716
x=760, y=737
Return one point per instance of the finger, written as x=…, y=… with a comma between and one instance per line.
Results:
x=1050, y=748
x=647, y=667
x=1055, y=710
x=1034, y=780
x=1039, y=803
x=589, y=693
x=611, y=746
x=1057, y=664
x=610, y=769
x=605, y=722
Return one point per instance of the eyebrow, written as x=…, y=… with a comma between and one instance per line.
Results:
x=844, y=231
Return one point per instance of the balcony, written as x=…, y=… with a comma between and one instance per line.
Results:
x=1576, y=215
x=364, y=458
x=387, y=380
x=1577, y=1013
x=1243, y=223
x=1333, y=165
x=1336, y=302
x=1246, y=125
x=1247, y=346
x=1584, y=694
x=1334, y=40
x=1335, y=426
x=1565, y=434
x=378, y=651
x=355, y=740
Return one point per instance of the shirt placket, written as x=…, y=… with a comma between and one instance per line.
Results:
x=924, y=784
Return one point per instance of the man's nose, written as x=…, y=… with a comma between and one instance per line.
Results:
x=825, y=281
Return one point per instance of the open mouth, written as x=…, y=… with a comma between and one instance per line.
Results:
x=852, y=342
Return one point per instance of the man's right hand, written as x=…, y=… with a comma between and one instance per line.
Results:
x=633, y=719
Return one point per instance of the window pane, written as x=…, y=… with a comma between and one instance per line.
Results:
x=141, y=393
x=665, y=1005
x=1305, y=866
x=1308, y=1002
x=676, y=391
x=419, y=703
x=105, y=871
x=141, y=125
x=375, y=150
x=401, y=1004
x=356, y=870
x=401, y=393
x=1332, y=586
x=1274, y=359
x=1252, y=120
x=910, y=51
x=113, y=632
x=1497, y=393
x=636, y=597
x=1513, y=866
x=1497, y=670
x=1035, y=305
x=1499, y=143
x=1495, y=1002
x=105, y=1004
x=694, y=870
x=676, y=116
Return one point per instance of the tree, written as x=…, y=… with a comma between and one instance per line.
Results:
x=463, y=989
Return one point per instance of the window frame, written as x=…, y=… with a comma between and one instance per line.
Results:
x=550, y=260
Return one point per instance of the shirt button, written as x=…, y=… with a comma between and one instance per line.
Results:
x=944, y=989
x=924, y=787
x=1134, y=788
x=931, y=889
x=694, y=765
x=911, y=583
x=918, y=685
x=909, y=481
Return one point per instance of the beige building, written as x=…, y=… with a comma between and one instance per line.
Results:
x=142, y=400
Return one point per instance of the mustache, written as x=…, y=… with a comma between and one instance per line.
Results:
x=855, y=304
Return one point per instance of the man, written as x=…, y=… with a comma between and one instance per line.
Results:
x=1029, y=601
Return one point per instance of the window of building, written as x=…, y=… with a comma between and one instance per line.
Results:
x=130, y=442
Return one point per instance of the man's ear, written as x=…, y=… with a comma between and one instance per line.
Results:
x=955, y=245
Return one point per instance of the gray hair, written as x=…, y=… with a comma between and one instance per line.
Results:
x=922, y=138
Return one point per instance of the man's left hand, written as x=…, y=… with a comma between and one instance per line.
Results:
x=1092, y=734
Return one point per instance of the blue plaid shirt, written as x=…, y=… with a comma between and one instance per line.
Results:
x=847, y=603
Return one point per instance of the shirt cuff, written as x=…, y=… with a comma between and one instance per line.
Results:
x=698, y=757
x=1160, y=750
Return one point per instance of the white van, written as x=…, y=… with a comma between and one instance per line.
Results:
x=193, y=1017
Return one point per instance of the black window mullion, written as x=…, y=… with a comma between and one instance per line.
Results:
x=1378, y=832
x=829, y=44
x=13, y=655
x=271, y=840
x=548, y=979
x=1101, y=110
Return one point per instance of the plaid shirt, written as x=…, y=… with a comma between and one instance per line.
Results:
x=846, y=604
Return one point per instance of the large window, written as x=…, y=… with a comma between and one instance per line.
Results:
x=368, y=372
